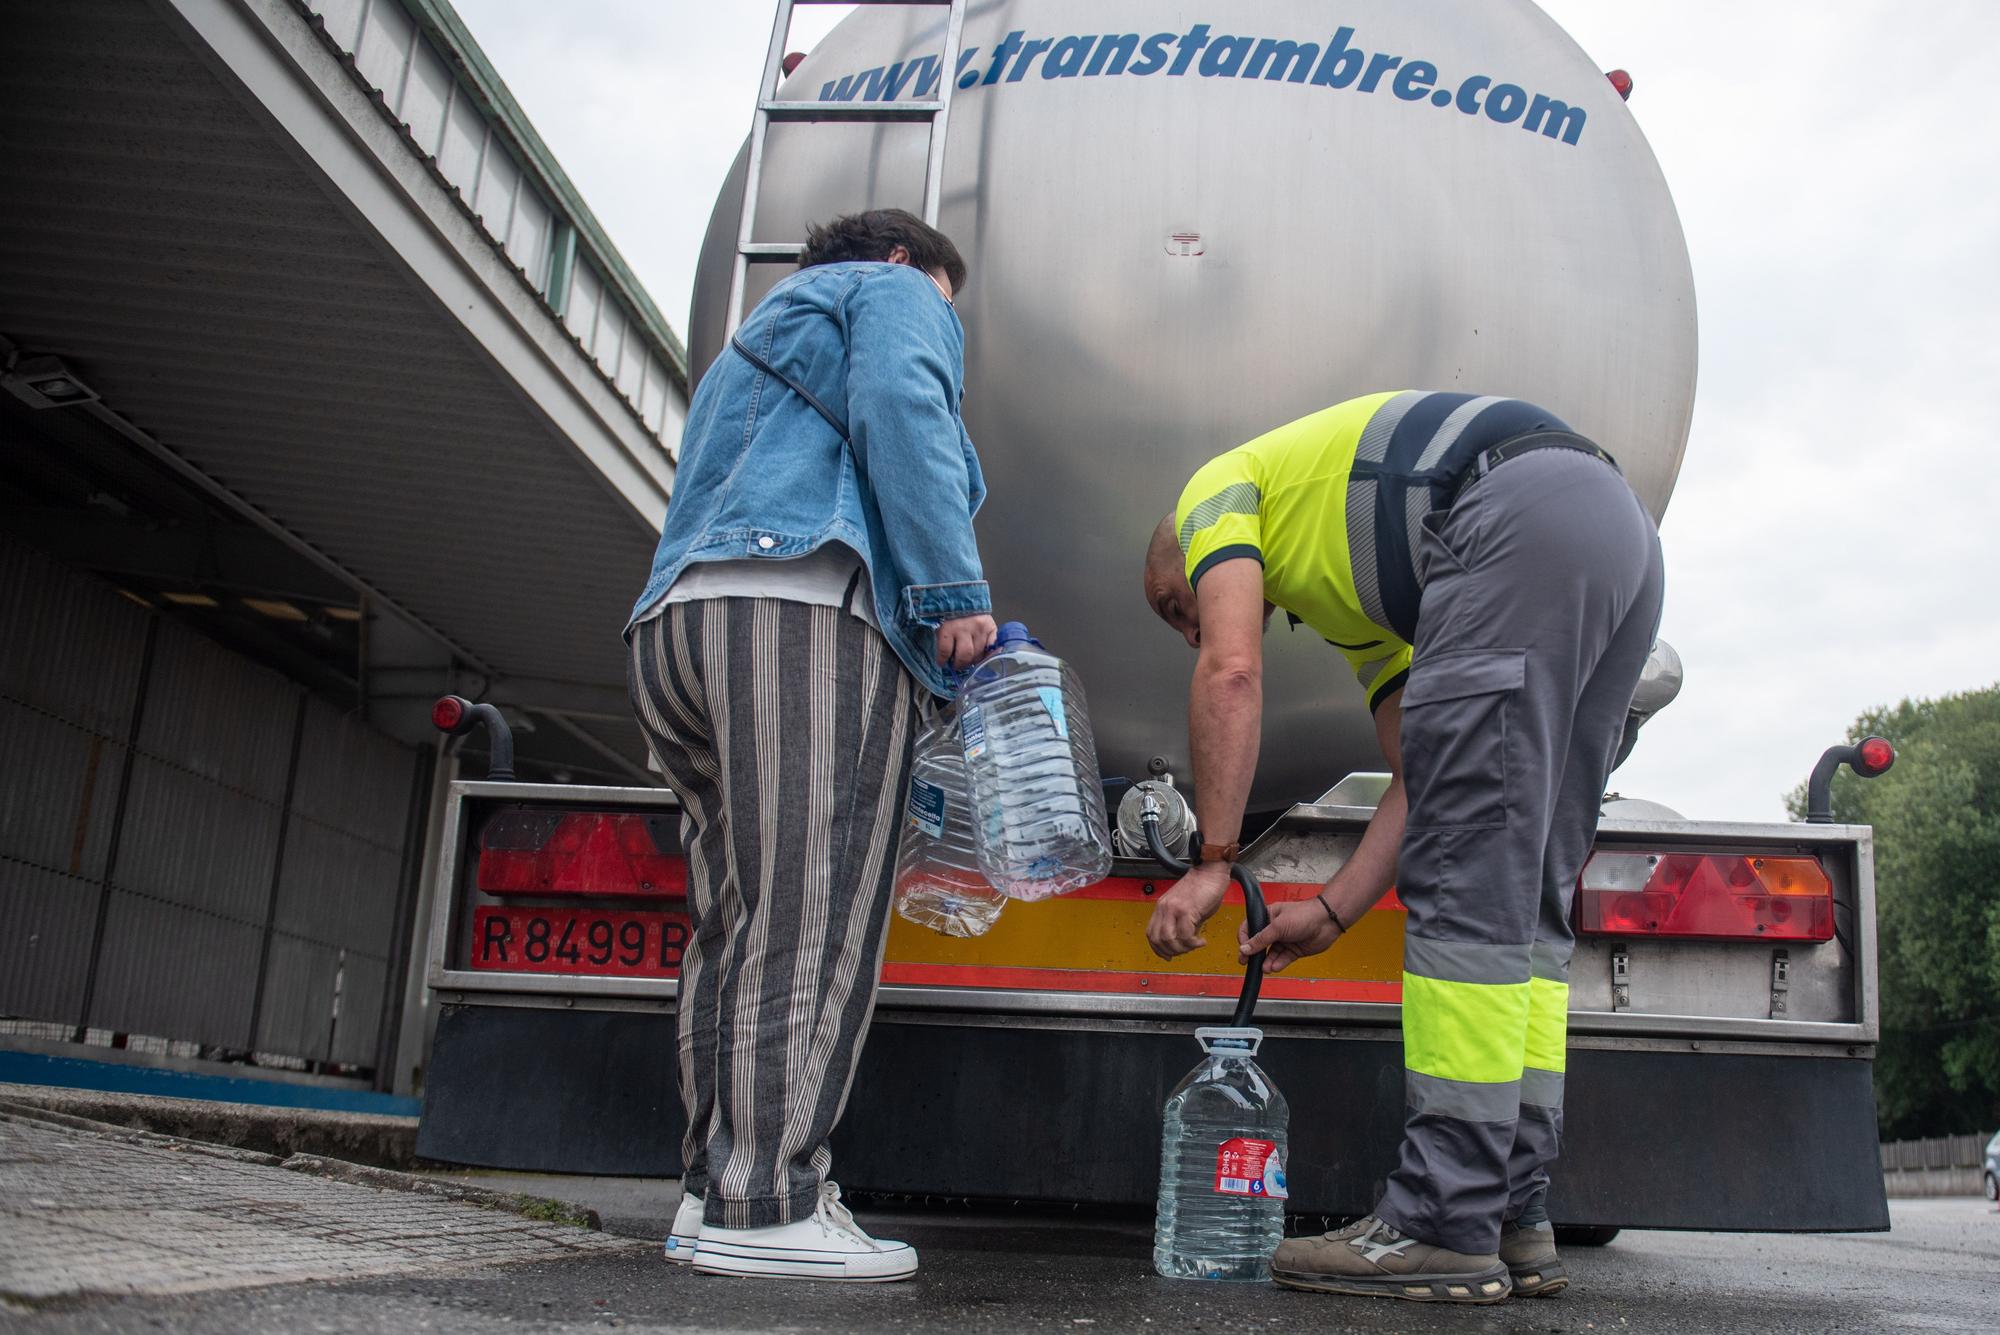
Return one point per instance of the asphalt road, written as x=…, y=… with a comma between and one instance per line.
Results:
x=1938, y=1269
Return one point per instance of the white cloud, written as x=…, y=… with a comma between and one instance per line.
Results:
x=1830, y=543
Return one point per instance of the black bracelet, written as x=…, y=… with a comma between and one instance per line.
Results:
x=1331, y=914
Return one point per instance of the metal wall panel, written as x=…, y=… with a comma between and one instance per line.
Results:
x=386, y=35
x=185, y=922
x=464, y=143
x=68, y=647
x=337, y=889
x=426, y=94
x=196, y=844
x=353, y=778
x=174, y=972
x=46, y=923
x=357, y=1029
x=297, y=1018
x=230, y=721
x=343, y=20
x=58, y=784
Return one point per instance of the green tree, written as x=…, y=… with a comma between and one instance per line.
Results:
x=1937, y=896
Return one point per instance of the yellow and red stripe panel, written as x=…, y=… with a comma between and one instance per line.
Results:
x=1094, y=940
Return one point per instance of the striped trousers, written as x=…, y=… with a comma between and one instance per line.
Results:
x=1542, y=588
x=786, y=730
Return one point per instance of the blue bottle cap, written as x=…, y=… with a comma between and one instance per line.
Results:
x=1012, y=634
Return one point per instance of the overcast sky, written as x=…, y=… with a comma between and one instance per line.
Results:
x=1830, y=545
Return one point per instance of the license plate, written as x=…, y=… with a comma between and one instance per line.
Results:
x=608, y=942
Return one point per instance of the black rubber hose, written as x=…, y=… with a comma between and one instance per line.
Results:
x=1257, y=918
x=1255, y=915
x=1161, y=853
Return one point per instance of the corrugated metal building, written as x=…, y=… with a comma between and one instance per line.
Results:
x=326, y=394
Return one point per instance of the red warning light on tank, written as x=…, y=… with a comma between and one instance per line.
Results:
x=1873, y=757
x=1622, y=82
x=793, y=60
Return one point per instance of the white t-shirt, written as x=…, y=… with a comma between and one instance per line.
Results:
x=821, y=577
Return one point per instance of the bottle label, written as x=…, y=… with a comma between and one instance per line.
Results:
x=927, y=807
x=1246, y=1167
x=972, y=731
x=1053, y=702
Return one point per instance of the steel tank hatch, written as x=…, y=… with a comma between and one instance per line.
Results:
x=1190, y=223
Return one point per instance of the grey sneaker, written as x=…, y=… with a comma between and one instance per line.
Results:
x=1530, y=1257
x=1370, y=1259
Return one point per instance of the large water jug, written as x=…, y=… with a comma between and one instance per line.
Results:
x=1222, y=1165
x=938, y=881
x=1037, y=798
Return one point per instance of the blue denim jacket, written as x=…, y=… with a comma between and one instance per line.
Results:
x=762, y=475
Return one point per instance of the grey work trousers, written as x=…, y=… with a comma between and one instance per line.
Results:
x=786, y=730
x=1541, y=596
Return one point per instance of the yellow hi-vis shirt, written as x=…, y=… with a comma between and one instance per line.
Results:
x=1281, y=499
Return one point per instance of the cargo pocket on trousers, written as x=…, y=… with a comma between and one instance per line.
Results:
x=1457, y=708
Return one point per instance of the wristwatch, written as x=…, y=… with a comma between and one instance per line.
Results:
x=1223, y=853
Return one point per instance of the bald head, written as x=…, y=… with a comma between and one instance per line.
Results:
x=1167, y=589
x=1163, y=554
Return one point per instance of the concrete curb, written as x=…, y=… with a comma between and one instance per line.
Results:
x=541, y=1209
x=17, y=1112
x=371, y=1138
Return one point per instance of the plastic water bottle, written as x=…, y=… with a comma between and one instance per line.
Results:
x=1036, y=794
x=938, y=881
x=1222, y=1165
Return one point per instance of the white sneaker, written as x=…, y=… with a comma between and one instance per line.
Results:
x=686, y=1230
x=827, y=1245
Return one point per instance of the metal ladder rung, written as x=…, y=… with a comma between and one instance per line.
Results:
x=792, y=112
x=772, y=109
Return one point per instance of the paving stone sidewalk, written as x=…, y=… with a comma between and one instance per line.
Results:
x=85, y=1213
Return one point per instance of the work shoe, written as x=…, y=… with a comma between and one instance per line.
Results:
x=686, y=1229
x=1529, y=1253
x=827, y=1244
x=1370, y=1259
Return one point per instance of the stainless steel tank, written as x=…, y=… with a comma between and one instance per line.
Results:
x=1183, y=239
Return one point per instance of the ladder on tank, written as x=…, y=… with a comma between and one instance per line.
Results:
x=935, y=110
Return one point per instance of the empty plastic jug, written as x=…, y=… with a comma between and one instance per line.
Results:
x=1037, y=800
x=938, y=881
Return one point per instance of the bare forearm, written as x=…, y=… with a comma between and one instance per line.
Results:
x=1225, y=723
x=1366, y=876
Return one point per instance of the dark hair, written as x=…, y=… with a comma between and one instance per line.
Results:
x=872, y=235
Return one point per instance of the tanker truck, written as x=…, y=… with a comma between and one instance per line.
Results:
x=1186, y=224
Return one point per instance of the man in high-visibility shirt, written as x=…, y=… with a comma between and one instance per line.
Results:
x=1496, y=587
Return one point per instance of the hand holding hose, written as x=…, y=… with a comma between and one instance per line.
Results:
x=1298, y=929
x=1255, y=918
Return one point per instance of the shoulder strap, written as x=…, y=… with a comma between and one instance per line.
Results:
x=736, y=341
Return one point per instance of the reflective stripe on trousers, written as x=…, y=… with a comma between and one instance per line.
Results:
x=1541, y=597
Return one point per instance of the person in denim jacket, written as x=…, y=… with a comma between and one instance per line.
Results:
x=816, y=579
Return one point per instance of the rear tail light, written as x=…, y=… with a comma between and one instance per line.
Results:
x=1712, y=896
x=524, y=852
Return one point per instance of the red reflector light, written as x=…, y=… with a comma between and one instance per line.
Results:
x=793, y=60
x=1875, y=757
x=523, y=852
x=1714, y=896
x=447, y=713
x=1621, y=81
